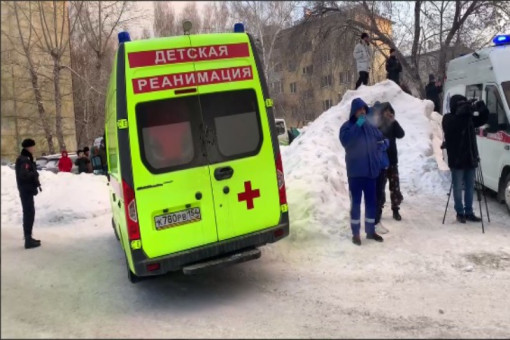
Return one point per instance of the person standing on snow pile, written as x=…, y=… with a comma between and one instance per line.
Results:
x=462, y=150
x=65, y=164
x=363, y=55
x=392, y=130
x=393, y=67
x=27, y=179
x=432, y=92
x=363, y=162
x=81, y=162
x=374, y=118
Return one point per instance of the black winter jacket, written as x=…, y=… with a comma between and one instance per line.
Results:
x=393, y=67
x=27, y=176
x=459, y=134
x=392, y=131
x=432, y=92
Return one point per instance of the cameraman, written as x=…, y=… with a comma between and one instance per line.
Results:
x=460, y=139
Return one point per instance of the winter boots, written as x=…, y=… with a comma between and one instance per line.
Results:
x=396, y=215
x=356, y=240
x=461, y=218
x=31, y=243
x=473, y=218
x=375, y=237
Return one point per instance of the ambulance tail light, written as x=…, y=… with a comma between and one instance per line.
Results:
x=131, y=216
x=281, y=180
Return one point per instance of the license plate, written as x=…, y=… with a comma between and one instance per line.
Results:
x=178, y=218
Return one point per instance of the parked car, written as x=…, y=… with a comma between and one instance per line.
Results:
x=50, y=163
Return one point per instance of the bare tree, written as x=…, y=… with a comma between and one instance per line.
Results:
x=216, y=17
x=265, y=20
x=25, y=15
x=56, y=27
x=164, y=24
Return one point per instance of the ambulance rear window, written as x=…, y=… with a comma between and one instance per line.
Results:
x=236, y=121
x=166, y=129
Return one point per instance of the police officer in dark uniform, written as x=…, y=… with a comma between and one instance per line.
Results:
x=27, y=179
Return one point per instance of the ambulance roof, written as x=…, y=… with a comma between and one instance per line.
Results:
x=491, y=64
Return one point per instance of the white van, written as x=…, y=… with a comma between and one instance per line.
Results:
x=485, y=75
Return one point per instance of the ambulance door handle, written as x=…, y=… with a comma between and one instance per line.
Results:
x=118, y=203
x=223, y=173
x=114, y=197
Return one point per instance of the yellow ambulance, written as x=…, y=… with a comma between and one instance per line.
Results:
x=194, y=166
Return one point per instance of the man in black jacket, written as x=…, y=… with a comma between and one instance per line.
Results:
x=432, y=92
x=392, y=130
x=27, y=179
x=393, y=67
x=460, y=138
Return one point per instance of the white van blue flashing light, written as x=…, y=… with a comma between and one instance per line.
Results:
x=501, y=40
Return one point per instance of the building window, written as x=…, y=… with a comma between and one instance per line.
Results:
x=277, y=87
x=327, y=104
x=326, y=81
x=308, y=70
x=278, y=67
x=293, y=87
x=308, y=94
x=326, y=57
x=291, y=65
x=345, y=78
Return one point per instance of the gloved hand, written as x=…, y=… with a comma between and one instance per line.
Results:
x=361, y=120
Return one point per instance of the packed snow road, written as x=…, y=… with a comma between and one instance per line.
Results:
x=426, y=280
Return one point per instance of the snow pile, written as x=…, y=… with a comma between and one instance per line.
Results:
x=315, y=171
x=65, y=198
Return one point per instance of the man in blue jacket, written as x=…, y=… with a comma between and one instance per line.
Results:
x=363, y=158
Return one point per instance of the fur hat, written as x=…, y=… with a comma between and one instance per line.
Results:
x=28, y=143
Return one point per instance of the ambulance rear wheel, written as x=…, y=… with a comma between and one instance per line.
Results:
x=133, y=278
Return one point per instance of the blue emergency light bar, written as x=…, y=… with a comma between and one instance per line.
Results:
x=239, y=27
x=501, y=40
x=124, y=37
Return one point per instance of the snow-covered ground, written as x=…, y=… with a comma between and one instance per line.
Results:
x=426, y=279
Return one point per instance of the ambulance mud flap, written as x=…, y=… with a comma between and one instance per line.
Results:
x=223, y=261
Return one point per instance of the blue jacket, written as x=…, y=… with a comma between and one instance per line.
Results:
x=363, y=153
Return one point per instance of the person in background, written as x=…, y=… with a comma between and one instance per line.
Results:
x=81, y=161
x=65, y=164
x=432, y=92
x=27, y=179
x=86, y=152
x=392, y=130
x=363, y=55
x=460, y=139
x=393, y=67
x=362, y=157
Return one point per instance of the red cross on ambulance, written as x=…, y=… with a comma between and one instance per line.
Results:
x=248, y=195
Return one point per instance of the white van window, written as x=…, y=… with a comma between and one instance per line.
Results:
x=234, y=118
x=506, y=90
x=166, y=129
x=495, y=107
x=280, y=128
x=474, y=91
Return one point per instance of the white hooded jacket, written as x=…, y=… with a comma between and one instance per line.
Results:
x=363, y=55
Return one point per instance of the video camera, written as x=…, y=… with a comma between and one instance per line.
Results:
x=467, y=107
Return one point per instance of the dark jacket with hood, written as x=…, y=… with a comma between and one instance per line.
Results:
x=393, y=67
x=363, y=156
x=432, y=91
x=392, y=131
x=459, y=132
x=27, y=176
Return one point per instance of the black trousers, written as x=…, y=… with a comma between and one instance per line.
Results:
x=27, y=202
x=381, y=195
x=363, y=79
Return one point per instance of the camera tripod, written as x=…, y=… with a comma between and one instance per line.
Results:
x=480, y=192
